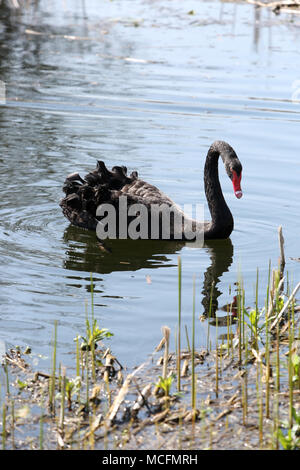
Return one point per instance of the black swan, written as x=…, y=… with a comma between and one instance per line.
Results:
x=101, y=186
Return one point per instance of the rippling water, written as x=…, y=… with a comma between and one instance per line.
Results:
x=146, y=84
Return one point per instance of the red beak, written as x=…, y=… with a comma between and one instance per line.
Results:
x=236, y=181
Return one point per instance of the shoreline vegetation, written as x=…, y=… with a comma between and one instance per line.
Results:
x=243, y=393
x=277, y=6
x=286, y=6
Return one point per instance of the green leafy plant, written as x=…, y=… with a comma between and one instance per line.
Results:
x=254, y=325
x=21, y=384
x=71, y=388
x=295, y=360
x=291, y=439
x=166, y=384
x=93, y=335
x=296, y=418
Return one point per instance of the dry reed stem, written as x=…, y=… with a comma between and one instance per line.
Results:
x=144, y=394
x=291, y=297
x=166, y=332
x=282, y=3
x=123, y=392
x=273, y=295
x=281, y=247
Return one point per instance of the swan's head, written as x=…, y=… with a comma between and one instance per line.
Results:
x=232, y=164
x=234, y=171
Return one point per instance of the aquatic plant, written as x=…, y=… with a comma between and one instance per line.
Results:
x=93, y=336
x=166, y=384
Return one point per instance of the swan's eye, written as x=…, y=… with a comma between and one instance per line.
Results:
x=236, y=181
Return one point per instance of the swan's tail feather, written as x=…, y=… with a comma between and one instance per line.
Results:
x=84, y=195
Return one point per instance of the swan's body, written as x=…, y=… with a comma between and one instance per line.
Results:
x=101, y=186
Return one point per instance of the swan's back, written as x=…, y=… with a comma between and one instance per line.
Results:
x=85, y=195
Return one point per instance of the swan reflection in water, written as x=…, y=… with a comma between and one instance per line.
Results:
x=85, y=253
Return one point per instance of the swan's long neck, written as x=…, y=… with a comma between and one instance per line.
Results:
x=221, y=217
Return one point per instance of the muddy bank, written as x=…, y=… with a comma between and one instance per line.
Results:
x=241, y=396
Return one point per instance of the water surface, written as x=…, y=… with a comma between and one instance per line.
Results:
x=148, y=85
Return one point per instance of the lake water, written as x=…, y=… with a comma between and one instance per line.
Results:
x=148, y=84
